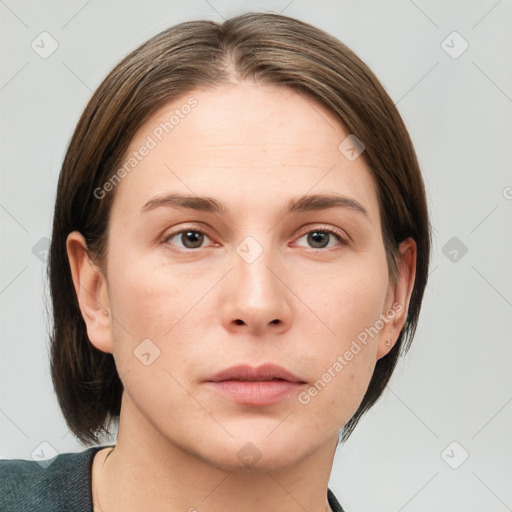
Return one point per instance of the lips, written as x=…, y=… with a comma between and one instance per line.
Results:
x=265, y=385
x=265, y=372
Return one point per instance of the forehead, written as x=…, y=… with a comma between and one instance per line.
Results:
x=244, y=142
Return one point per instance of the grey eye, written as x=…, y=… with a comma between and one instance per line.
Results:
x=187, y=238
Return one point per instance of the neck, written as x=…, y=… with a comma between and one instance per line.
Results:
x=148, y=472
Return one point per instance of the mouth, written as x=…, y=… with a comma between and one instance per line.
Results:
x=265, y=385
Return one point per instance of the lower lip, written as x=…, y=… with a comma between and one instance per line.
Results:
x=256, y=393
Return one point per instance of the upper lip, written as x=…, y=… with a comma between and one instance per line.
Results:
x=244, y=372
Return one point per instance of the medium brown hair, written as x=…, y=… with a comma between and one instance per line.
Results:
x=264, y=48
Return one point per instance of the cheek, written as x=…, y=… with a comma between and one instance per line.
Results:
x=350, y=304
x=153, y=337
x=160, y=303
x=349, y=298
x=148, y=297
x=341, y=373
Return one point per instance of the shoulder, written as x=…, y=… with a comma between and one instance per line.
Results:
x=333, y=502
x=61, y=483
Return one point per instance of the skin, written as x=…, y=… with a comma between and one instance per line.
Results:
x=253, y=148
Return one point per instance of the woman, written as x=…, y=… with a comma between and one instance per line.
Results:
x=239, y=254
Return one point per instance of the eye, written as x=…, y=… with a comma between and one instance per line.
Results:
x=193, y=238
x=320, y=238
x=190, y=238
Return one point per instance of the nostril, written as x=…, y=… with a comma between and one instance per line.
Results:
x=276, y=321
x=239, y=322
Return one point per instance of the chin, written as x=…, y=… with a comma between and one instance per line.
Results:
x=258, y=454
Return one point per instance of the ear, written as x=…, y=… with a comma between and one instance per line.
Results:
x=91, y=291
x=399, y=296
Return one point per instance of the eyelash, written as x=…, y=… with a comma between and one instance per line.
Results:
x=339, y=235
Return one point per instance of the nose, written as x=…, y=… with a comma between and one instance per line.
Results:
x=255, y=299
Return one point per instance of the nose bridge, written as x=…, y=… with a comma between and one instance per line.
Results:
x=253, y=258
x=257, y=298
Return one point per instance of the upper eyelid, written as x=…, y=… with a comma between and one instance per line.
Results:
x=191, y=227
x=329, y=229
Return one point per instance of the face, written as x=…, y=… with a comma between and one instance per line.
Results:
x=195, y=288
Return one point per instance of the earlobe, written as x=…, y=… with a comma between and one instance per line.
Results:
x=91, y=290
x=401, y=296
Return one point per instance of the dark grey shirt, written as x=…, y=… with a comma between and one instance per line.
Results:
x=64, y=485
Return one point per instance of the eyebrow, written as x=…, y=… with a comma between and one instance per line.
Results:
x=299, y=204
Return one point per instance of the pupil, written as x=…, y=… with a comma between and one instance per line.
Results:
x=318, y=239
x=192, y=239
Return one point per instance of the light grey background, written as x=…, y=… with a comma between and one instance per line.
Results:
x=455, y=383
